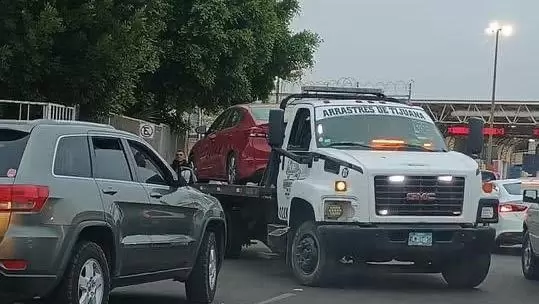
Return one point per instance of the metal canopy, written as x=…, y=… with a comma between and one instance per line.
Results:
x=507, y=112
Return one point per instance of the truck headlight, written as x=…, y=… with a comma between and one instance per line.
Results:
x=340, y=186
x=334, y=210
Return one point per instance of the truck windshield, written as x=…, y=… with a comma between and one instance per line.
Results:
x=377, y=127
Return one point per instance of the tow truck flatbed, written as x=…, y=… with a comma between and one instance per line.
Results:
x=255, y=191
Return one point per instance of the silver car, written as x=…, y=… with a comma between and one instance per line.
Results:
x=85, y=208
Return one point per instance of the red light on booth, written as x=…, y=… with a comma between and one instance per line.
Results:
x=536, y=132
x=455, y=131
x=462, y=131
x=494, y=131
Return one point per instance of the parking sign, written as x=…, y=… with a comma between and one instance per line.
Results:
x=146, y=130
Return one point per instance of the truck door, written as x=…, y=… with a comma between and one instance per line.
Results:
x=299, y=141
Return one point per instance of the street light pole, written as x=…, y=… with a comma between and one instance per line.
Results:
x=496, y=29
x=493, y=100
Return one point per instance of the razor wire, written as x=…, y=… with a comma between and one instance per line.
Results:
x=399, y=88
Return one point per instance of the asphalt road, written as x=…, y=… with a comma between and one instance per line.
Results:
x=258, y=278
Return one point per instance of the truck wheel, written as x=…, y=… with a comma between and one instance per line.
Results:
x=309, y=261
x=530, y=265
x=234, y=243
x=202, y=282
x=467, y=271
x=87, y=277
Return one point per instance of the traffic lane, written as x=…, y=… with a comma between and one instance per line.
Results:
x=257, y=278
x=505, y=284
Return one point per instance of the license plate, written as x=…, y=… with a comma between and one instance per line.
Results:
x=420, y=239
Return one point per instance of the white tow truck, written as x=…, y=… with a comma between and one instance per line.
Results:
x=357, y=177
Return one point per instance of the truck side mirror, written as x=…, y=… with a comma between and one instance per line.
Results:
x=530, y=196
x=474, y=142
x=276, y=128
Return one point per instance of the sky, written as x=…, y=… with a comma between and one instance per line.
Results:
x=441, y=45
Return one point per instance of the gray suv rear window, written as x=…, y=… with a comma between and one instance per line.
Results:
x=73, y=157
x=12, y=146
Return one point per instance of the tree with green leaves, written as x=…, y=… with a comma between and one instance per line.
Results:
x=221, y=52
x=90, y=53
x=150, y=59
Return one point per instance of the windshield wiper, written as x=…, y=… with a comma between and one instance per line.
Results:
x=348, y=144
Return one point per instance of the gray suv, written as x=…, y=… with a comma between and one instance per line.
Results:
x=85, y=208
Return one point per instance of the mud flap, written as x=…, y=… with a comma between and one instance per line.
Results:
x=277, y=238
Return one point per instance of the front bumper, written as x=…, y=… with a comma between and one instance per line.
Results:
x=384, y=243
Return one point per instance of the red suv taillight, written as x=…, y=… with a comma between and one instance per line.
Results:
x=14, y=265
x=510, y=207
x=23, y=198
x=257, y=132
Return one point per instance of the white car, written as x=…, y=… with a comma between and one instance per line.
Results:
x=512, y=211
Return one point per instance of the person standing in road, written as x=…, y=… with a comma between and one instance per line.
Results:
x=179, y=161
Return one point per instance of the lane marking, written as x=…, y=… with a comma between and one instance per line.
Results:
x=277, y=298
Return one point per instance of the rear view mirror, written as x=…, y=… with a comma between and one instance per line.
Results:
x=276, y=128
x=474, y=142
x=530, y=196
x=201, y=130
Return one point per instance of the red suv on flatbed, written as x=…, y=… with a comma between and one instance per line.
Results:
x=235, y=148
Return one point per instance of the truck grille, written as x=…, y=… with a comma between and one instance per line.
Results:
x=419, y=196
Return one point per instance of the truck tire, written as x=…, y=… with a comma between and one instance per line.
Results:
x=467, y=270
x=88, y=264
x=234, y=243
x=202, y=282
x=529, y=261
x=308, y=259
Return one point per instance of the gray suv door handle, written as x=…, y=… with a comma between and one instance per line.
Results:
x=156, y=195
x=110, y=191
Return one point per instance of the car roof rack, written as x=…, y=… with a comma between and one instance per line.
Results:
x=336, y=93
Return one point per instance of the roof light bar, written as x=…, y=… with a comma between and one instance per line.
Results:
x=341, y=90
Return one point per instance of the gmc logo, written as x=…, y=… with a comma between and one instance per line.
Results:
x=421, y=196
